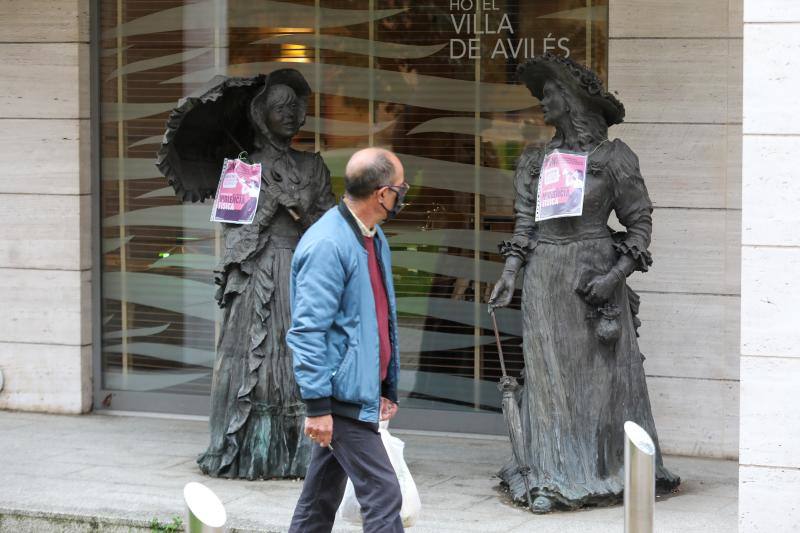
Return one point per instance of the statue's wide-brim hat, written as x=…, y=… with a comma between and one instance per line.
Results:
x=575, y=77
x=211, y=124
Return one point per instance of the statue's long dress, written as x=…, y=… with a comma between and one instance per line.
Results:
x=257, y=415
x=578, y=391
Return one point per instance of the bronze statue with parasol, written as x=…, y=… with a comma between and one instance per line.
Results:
x=257, y=416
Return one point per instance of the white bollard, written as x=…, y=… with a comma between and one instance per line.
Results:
x=640, y=479
x=204, y=510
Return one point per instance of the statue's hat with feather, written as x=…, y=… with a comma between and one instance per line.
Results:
x=574, y=77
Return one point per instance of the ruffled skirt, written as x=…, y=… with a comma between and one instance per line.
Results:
x=257, y=416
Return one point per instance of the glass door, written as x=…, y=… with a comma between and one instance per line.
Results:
x=432, y=81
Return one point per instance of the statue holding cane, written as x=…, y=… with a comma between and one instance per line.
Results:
x=584, y=374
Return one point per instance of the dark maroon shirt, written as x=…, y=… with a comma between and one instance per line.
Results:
x=381, y=306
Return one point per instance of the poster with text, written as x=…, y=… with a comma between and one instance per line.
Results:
x=237, y=192
x=561, y=185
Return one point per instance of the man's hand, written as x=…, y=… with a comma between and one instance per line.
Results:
x=320, y=429
x=388, y=409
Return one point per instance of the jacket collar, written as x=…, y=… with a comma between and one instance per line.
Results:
x=351, y=221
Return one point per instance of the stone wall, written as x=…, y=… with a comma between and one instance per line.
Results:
x=45, y=206
x=677, y=68
x=769, y=473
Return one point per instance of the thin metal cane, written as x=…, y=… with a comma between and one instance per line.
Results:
x=499, y=346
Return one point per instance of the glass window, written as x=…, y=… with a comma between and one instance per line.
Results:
x=432, y=81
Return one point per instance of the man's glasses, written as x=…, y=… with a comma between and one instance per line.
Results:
x=401, y=189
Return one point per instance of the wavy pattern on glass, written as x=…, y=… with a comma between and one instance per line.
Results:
x=345, y=128
x=436, y=263
x=438, y=173
x=248, y=14
x=167, y=352
x=448, y=265
x=352, y=45
x=411, y=340
x=490, y=129
x=179, y=295
x=158, y=62
x=581, y=14
x=452, y=238
x=148, y=381
x=446, y=94
x=194, y=216
x=158, y=193
x=325, y=126
x=193, y=261
x=129, y=168
x=154, y=139
x=451, y=389
x=111, y=52
x=432, y=172
x=109, y=245
x=194, y=298
x=139, y=332
x=509, y=321
x=417, y=341
x=114, y=111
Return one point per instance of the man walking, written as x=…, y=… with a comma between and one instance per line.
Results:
x=344, y=341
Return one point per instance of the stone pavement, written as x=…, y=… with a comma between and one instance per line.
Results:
x=115, y=473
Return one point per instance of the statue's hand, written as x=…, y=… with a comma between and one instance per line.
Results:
x=293, y=201
x=600, y=289
x=503, y=290
x=288, y=200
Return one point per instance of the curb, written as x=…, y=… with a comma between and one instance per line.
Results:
x=26, y=521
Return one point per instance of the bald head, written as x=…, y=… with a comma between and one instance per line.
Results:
x=369, y=169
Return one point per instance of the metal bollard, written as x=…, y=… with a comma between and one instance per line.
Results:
x=640, y=479
x=204, y=510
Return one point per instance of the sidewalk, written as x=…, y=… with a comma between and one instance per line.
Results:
x=114, y=474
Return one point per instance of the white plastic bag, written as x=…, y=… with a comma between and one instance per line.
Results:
x=350, y=509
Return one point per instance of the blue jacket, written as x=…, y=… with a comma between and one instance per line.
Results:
x=334, y=333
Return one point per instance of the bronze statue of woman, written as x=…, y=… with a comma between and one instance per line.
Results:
x=256, y=413
x=584, y=374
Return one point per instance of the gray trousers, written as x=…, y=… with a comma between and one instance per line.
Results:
x=358, y=453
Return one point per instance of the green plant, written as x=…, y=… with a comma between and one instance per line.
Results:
x=171, y=527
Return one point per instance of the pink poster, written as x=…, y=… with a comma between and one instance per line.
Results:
x=561, y=185
x=237, y=192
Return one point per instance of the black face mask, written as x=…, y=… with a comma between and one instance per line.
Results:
x=398, y=204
